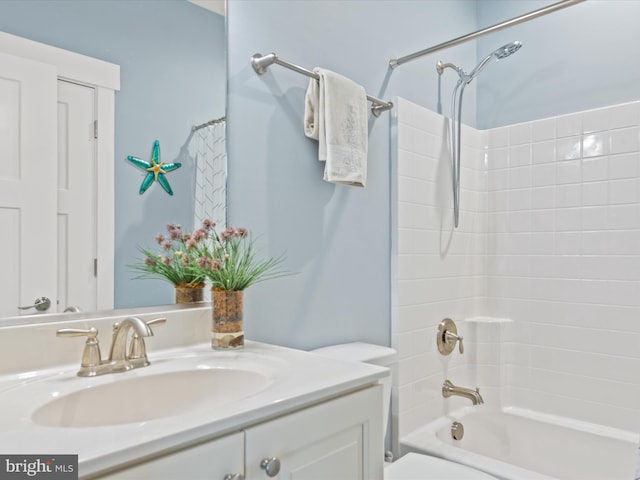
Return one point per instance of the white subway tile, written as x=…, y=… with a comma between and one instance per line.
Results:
x=623, y=243
x=568, y=219
x=625, y=140
x=544, y=129
x=519, y=177
x=595, y=242
x=497, y=158
x=624, y=166
x=624, y=217
x=623, y=191
x=520, y=155
x=569, y=171
x=568, y=148
x=595, y=193
x=568, y=266
x=625, y=115
x=594, y=169
x=519, y=134
x=543, y=152
x=542, y=243
x=596, y=120
x=519, y=221
x=543, y=197
x=519, y=199
x=569, y=195
x=595, y=144
x=498, y=180
x=543, y=220
x=498, y=137
x=543, y=175
x=569, y=125
x=594, y=218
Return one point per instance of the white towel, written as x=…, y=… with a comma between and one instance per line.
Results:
x=335, y=114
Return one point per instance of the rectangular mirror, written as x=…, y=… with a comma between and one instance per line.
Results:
x=172, y=61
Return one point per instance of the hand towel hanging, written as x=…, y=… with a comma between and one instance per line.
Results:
x=336, y=115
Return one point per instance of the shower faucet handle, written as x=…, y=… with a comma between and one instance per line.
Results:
x=448, y=337
x=456, y=338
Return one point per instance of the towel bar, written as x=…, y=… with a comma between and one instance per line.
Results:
x=260, y=63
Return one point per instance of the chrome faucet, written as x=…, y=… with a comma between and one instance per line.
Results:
x=449, y=389
x=120, y=358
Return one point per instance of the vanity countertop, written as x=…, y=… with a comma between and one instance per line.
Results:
x=294, y=379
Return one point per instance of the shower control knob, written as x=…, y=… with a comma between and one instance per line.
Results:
x=448, y=337
x=271, y=466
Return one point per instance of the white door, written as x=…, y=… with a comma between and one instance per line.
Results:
x=77, y=285
x=28, y=238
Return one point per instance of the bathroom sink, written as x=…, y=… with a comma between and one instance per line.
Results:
x=150, y=397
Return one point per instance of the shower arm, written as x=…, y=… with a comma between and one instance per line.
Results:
x=441, y=66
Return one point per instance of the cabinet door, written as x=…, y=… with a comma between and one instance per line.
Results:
x=208, y=461
x=339, y=440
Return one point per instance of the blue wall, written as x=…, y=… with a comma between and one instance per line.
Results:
x=173, y=75
x=337, y=238
x=579, y=58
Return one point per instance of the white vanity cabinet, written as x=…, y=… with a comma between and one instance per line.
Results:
x=211, y=460
x=338, y=439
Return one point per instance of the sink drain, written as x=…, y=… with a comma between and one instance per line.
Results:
x=457, y=430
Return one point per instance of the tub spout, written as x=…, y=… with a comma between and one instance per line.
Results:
x=449, y=389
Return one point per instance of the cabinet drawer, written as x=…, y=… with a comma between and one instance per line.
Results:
x=207, y=461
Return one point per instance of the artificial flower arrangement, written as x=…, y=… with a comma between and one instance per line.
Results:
x=228, y=260
x=175, y=262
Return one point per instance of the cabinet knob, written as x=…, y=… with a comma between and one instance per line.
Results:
x=271, y=466
x=233, y=476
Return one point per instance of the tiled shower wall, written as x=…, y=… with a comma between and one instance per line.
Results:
x=438, y=270
x=542, y=276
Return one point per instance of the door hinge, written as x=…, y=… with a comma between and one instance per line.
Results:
x=95, y=129
x=95, y=267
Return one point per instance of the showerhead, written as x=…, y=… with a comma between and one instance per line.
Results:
x=502, y=52
x=506, y=50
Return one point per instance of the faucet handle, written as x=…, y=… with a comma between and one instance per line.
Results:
x=456, y=338
x=156, y=322
x=91, y=356
x=137, y=348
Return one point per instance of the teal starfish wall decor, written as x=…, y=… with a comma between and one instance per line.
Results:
x=157, y=170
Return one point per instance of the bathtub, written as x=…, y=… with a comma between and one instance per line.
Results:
x=518, y=444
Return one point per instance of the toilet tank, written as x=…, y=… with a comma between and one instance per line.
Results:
x=366, y=353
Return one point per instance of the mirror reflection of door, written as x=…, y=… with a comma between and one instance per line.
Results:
x=77, y=184
x=27, y=183
x=56, y=178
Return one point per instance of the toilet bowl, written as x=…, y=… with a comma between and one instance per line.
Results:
x=412, y=466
